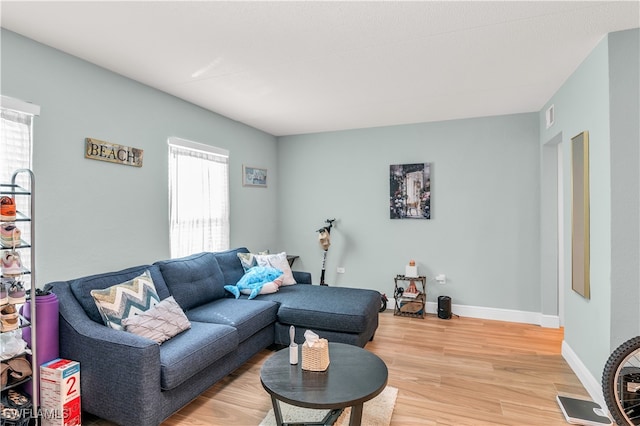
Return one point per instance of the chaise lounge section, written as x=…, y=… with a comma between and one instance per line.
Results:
x=132, y=380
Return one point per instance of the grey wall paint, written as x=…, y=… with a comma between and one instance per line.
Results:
x=95, y=216
x=624, y=86
x=484, y=231
x=602, y=98
x=583, y=104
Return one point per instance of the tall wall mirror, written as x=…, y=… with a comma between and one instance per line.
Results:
x=580, y=214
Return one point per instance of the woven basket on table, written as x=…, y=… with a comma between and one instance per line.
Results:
x=316, y=357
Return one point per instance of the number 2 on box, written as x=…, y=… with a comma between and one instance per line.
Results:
x=71, y=383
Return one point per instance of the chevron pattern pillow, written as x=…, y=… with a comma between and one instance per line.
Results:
x=126, y=300
x=248, y=260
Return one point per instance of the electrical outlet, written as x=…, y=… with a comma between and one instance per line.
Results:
x=441, y=279
x=340, y=269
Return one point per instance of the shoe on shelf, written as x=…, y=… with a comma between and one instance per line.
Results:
x=10, y=235
x=19, y=369
x=16, y=293
x=11, y=264
x=9, y=318
x=4, y=294
x=16, y=399
x=10, y=416
x=4, y=375
x=7, y=209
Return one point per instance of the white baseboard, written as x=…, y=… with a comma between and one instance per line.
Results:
x=590, y=383
x=549, y=321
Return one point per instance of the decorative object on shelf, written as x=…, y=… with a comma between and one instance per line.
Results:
x=410, y=191
x=412, y=291
x=104, y=151
x=414, y=306
x=254, y=176
x=411, y=270
x=324, y=238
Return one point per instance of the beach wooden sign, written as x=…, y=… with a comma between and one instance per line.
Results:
x=104, y=151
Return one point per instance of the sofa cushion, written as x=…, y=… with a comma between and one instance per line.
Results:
x=330, y=308
x=81, y=287
x=160, y=323
x=193, y=350
x=124, y=300
x=193, y=280
x=247, y=316
x=231, y=265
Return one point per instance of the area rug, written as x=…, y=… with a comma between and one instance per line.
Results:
x=376, y=412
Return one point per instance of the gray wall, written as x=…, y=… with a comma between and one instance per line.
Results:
x=582, y=103
x=484, y=231
x=624, y=86
x=602, y=97
x=95, y=216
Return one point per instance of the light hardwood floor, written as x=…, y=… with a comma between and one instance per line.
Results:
x=457, y=372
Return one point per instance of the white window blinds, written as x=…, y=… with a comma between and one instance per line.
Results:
x=198, y=198
x=16, y=143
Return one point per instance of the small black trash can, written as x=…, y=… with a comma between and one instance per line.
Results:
x=444, y=307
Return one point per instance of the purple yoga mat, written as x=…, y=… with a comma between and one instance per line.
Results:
x=47, y=346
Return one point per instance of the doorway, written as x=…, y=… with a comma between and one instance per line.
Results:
x=552, y=280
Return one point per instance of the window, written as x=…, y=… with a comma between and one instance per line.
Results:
x=198, y=198
x=16, y=141
x=16, y=134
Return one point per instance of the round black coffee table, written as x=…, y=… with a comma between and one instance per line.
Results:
x=354, y=376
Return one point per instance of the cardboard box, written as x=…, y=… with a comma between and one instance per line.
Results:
x=60, y=393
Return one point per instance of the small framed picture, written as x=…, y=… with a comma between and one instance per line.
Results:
x=254, y=176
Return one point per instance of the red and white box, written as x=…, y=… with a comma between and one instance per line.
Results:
x=60, y=393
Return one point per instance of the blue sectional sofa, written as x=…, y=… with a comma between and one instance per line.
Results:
x=131, y=380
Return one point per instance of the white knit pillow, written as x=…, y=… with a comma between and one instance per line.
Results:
x=278, y=261
x=159, y=323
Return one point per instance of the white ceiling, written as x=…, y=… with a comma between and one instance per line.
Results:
x=302, y=67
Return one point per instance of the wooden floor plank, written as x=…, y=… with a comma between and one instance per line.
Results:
x=456, y=372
